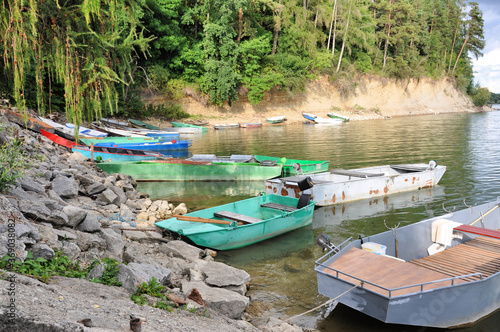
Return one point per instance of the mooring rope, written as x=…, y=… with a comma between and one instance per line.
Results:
x=326, y=303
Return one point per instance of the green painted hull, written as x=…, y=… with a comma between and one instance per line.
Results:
x=164, y=171
x=141, y=124
x=180, y=124
x=88, y=141
x=224, y=237
x=306, y=166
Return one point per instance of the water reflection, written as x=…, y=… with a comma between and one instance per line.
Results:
x=282, y=269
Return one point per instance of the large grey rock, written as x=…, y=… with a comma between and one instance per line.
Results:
x=181, y=249
x=29, y=184
x=122, y=198
x=96, y=272
x=58, y=218
x=108, y=197
x=19, y=193
x=66, y=187
x=75, y=214
x=126, y=213
x=71, y=250
x=222, y=275
x=90, y=224
x=227, y=302
x=87, y=241
x=95, y=188
x=43, y=251
x=84, y=179
x=34, y=209
x=134, y=274
x=114, y=243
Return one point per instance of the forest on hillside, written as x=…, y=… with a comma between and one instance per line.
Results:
x=94, y=57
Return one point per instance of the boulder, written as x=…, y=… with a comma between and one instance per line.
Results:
x=95, y=188
x=222, y=275
x=114, y=243
x=29, y=184
x=43, y=251
x=122, y=198
x=224, y=301
x=75, y=215
x=134, y=274
x=108, y=197
x=64, y=186
x=180, y=209
x=71, y=250
x=181, y=249
x=90, y=224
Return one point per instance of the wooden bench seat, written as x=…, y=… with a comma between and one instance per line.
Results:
x=409, y=168
x=279, y=207
x=236, y=217
x=357, y=174
x=479, y=231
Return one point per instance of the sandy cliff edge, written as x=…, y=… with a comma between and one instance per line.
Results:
x=365, y=98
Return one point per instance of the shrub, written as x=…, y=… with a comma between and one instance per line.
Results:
x=13, y=162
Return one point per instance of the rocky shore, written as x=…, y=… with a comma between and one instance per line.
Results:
x=64, y=205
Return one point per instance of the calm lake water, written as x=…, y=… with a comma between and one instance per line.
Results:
x=282, y=269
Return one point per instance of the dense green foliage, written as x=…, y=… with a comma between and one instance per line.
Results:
x=210, y=49
x=13, y=161
x=494, y=98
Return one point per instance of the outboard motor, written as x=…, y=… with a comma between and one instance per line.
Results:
x=305, y=184
x=324, y=242
x=432, y=164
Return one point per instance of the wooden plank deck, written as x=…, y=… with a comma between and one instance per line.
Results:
x=481, y=254
x=384, y=271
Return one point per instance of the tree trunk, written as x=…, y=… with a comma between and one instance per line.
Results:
x=461, y=50
x=452, y=47
x=334, y=27
x=387, y=39
x=240, y=22
x=277, y=26
x=343, y=39
x=331, y=25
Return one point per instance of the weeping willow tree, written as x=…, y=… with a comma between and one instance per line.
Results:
x=88, y=46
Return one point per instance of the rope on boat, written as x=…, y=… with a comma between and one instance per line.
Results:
x=326, y=303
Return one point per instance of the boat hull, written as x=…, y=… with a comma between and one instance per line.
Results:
x=224, y=237
x=86, y=151
x=169, y=171
x=154, y=146
x=306, y=166
x=331, y=189
x=442, y=303
x=187, y=125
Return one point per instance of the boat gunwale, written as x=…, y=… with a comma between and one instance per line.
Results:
x=230, y=228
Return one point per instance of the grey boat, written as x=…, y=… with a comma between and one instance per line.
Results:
x=440, y=272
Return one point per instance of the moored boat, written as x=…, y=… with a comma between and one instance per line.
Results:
x=226, y=126
x=188, y=125
x=309, y=116
x=296, y=166
x=341, y=185
x=150, y=146
x=251, y=125
x=115, y=139
x=141, y=124
x=86, y=131
x=276, y=119
x=334, y=115
x=441, y=272
x=242, y=223
x=193, y=170
x=114, y=154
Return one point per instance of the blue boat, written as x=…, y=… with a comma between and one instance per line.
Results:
x=158, y=146
x=163, y=135
x=115, y=154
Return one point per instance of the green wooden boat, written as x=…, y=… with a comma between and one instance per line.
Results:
x=290, y=165
x=184, y=125
x=188, y=170
x=140, y=124
x=239, y=224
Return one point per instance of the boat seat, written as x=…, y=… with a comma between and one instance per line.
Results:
x=409, y=168
x=236, y=217
x=357, y=174
x=479, y=231
x=281, y=207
